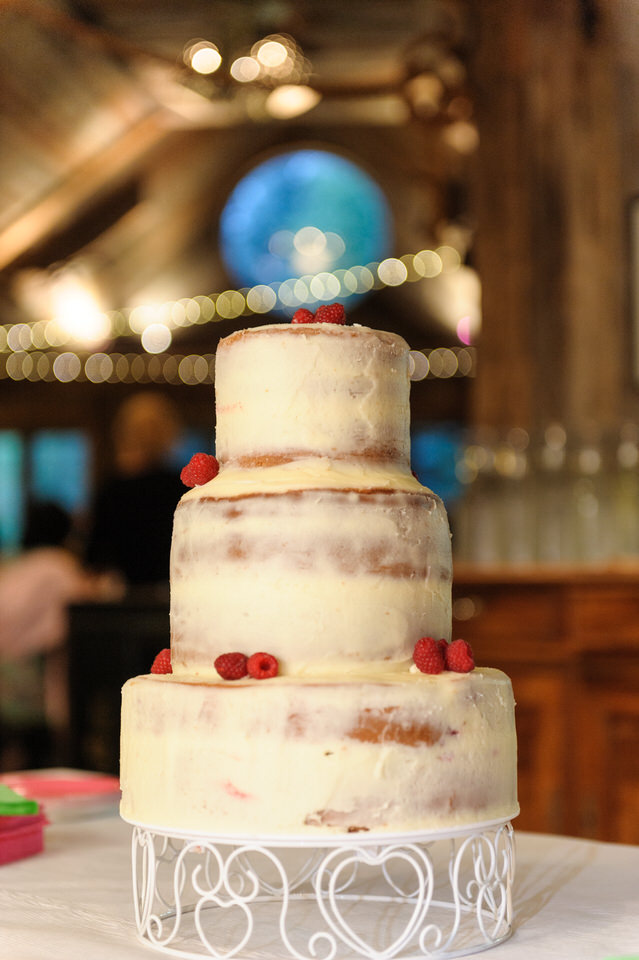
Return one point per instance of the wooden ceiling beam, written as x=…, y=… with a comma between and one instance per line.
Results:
x=63, y=202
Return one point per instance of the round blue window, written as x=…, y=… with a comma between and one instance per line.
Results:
x=303, y=213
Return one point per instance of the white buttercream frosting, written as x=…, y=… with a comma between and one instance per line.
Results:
x=306, y=473
x=324, y=579
x=293, y=757
x=315, y=389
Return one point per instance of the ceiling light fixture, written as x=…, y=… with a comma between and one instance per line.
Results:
x=291, y=100
x=202, y=56
x=272, y=53
x=245, y=69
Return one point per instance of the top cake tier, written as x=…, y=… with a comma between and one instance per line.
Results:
x=286, y=392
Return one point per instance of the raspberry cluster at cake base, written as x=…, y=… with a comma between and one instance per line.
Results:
x=313, y=567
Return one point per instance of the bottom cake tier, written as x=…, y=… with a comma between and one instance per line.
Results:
x=297, y=757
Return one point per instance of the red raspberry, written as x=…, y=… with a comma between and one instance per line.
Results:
x=459, y=657
x=262, y=666
x=303, y=316
x=231, y=666
x=330, y=313
x=428, y=655
x=201, y=468
x=162, y=662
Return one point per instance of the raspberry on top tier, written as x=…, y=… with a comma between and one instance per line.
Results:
x=327, y=313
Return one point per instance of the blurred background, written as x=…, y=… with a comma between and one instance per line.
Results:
x=464, y=174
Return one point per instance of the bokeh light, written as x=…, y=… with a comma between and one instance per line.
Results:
x=392, y=272
x=75, y=307
x=156, y=338
x=291, y=100
x=306, y=211
x=271, y=53
x=203, y=57
x=245, y=69
x=67, y=367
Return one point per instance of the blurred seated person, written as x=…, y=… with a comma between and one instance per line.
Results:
x=132, y=516
x=36, y=589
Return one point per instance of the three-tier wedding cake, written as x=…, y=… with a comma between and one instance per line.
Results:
x=306, y=575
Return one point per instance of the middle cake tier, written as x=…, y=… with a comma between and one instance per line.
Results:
x=324, y=579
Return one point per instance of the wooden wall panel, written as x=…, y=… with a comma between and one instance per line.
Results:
x=547, y=201
x=570, y=644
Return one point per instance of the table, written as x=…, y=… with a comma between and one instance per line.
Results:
x=574, y=899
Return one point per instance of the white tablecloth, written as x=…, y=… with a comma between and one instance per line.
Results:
x=573, y=899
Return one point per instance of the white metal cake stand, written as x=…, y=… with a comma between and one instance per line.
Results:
x=378, y=896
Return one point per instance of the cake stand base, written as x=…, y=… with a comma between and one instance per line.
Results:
x=438, y=894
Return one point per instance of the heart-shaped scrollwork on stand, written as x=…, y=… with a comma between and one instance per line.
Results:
x=432, y=895
x=342, y=870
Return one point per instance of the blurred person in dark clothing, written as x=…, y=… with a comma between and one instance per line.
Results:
x=132, y=516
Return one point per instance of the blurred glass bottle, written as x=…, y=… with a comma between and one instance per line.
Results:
x=625, y=493
x=555, y=542
x=476, y=520
x=515, y=501
x=591, y=502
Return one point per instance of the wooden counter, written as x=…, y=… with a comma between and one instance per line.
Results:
x=569, y=639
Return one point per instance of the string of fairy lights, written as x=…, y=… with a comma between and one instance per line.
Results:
x=58, y=349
